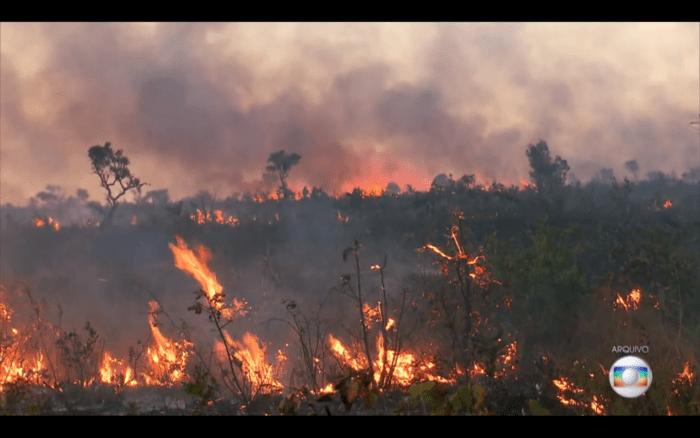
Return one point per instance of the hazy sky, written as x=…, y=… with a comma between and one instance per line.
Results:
x=202, y=106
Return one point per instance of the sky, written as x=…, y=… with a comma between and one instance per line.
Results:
x=201, y=106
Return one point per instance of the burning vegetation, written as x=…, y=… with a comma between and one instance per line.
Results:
x=497, y=303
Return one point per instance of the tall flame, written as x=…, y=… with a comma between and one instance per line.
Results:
x=196, y=265
x=252, y=356
x=167, y=359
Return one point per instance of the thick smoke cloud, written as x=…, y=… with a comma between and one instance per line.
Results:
x=201, y=106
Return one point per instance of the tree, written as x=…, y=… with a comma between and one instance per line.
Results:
x=606, y=175
x=116, y=178
x=633, y=167
x=547, y=173
x=393, y=189
x=282, y=162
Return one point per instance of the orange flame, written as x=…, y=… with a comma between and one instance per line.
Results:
x=49, y=222
x=219, y=218
x=685, y=377
x=480, y=275
x=252, y=355
x=631, y=302
x=407, y=368
x=570, y=395
x=15, y=363
x=114, y=372
x=524, y=185
x=196, y=265
x=167, y=359
x=565, y=386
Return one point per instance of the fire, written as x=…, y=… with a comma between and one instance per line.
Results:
x=219, y=218
x=524, y=185
x=478, y=369
x=114, y=372
x=342, y=218
x=685, y=377
x=507, y=361
x=597, y=405
x=407, y=368
x=372, y=313
x=681, y=391
x=356, y=362
x=167, y=359
x=16, y=364
x=14, y=367
x=565, y=386
x=572, y=395
x=249, y=354
x=438, y=251
x=480, y=275
x=252, y=356
x=49, y=222
x=657, y=206
x=631, y=301
x=196, y=265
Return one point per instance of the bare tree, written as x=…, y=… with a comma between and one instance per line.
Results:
x=112, y=169
x=282, y=162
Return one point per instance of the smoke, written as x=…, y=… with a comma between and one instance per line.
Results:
x=201, y=106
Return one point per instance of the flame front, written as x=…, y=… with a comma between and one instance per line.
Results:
x=219, y=218
x=407, y=369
